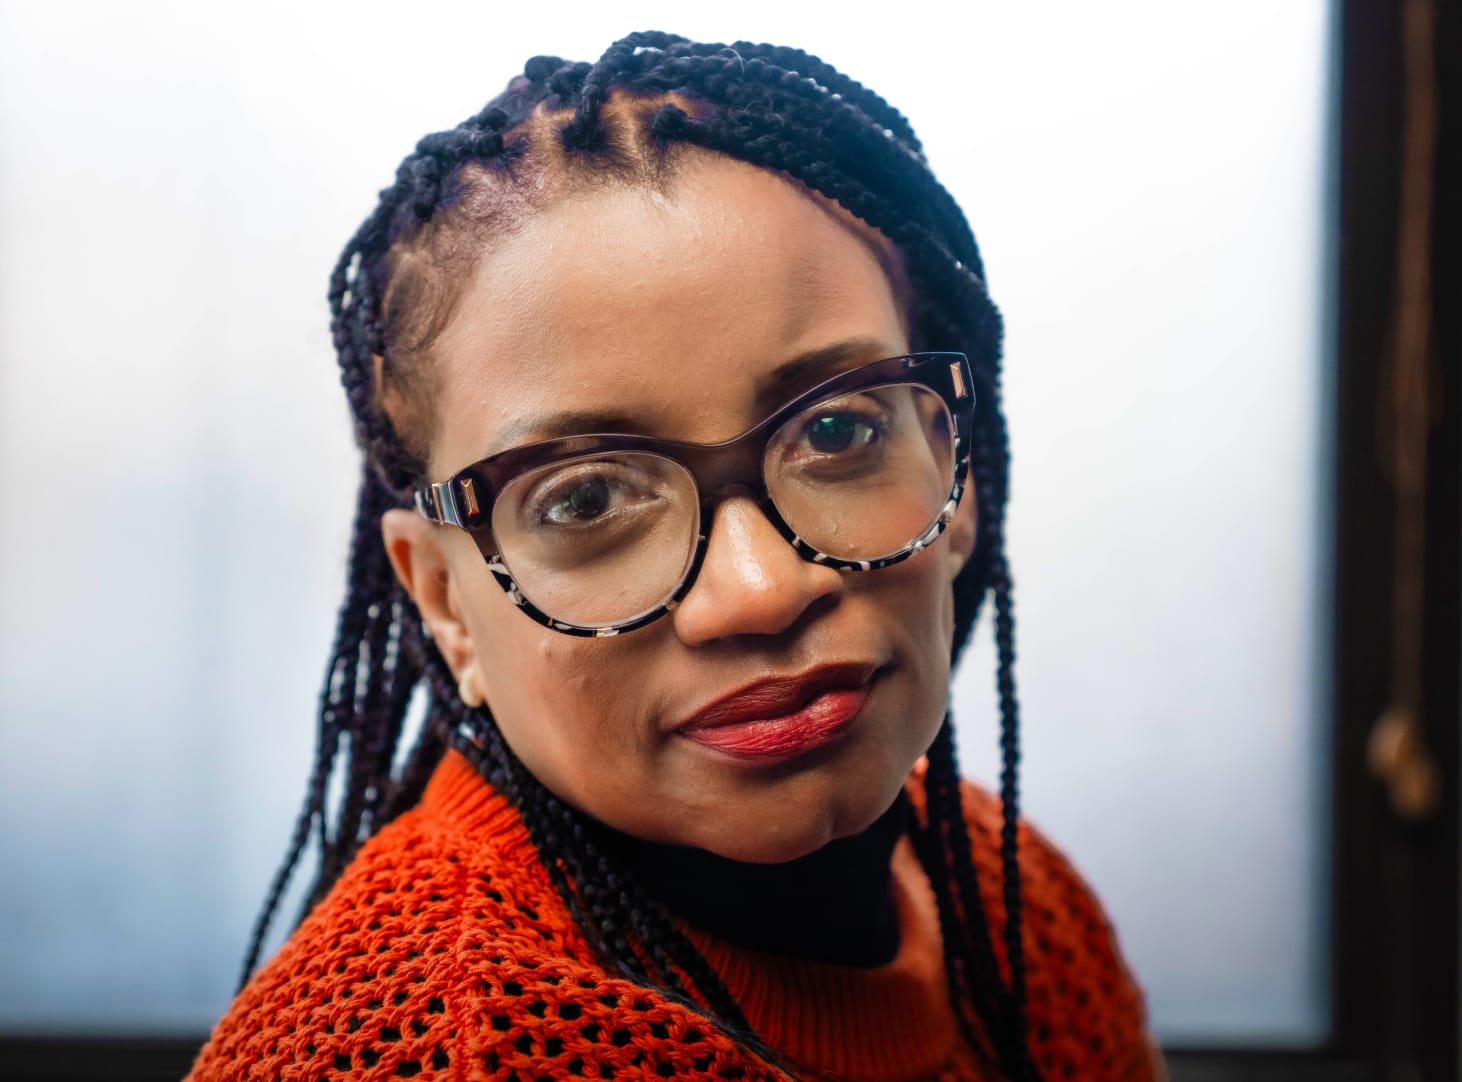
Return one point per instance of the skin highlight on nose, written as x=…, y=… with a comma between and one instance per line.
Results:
x=752, y=581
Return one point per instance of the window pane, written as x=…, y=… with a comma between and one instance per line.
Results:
x=1160, y=263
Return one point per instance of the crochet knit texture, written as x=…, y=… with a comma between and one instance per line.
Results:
x=444, y=952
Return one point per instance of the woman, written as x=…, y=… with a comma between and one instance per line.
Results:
x=677, y=383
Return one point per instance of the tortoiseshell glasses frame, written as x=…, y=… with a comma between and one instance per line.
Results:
x=467, y=498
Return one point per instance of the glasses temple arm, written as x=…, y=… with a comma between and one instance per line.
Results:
x=438, y=504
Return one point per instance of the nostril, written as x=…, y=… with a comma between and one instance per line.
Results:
x=820, y=605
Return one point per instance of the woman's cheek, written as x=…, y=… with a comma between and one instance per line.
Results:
x=591, y=688
x=921, y=595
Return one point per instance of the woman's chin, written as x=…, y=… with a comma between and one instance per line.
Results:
x=786, y=836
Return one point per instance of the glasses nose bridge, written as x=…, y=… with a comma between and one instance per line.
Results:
x=728, y=470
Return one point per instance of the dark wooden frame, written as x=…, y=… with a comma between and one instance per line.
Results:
x=1395, y=946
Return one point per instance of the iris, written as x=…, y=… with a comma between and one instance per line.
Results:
x=834, y=432
x=587, y=500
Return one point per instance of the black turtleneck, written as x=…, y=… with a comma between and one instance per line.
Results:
x=833, y=905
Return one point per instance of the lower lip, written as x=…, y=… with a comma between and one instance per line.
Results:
x=820, y=722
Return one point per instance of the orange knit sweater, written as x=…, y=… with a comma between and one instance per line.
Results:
x=444, y=952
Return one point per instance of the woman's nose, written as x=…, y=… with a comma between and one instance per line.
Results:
x=752, y=581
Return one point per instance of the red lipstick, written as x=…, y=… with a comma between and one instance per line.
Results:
x=778, y=718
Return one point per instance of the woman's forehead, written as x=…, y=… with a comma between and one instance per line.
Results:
x=667, y=311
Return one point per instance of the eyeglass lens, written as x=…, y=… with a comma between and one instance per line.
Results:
x=604, y=538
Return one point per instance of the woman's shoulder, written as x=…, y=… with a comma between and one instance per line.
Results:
x=436, y=956
x=1085, y=1009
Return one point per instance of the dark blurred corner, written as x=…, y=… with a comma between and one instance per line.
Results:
x=113, y=1060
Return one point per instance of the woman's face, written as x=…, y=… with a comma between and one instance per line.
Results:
x=684, y=315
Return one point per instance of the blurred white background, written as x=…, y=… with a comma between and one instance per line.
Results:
x=1148, y=184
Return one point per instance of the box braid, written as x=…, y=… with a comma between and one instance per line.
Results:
x=781, y=109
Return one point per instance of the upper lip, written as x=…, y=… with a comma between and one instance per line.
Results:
x=777, y=696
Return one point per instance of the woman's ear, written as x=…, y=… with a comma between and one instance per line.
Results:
x=962, y=530
x=419, y=558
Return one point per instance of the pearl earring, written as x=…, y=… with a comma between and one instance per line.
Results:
x=467, y=689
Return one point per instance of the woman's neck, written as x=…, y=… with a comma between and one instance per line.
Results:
x=833, y=905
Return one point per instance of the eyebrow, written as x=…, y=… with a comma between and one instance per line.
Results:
x=807, y=370
x=799, y=373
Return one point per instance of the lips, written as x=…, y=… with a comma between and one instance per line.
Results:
x=777, y=718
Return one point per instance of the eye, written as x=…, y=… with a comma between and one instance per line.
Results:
x=833, y=432
x=625, y=510
x=838, y=440
x=590, y=493
x=575, y=500
x=584, y=500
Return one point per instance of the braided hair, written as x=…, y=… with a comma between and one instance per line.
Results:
x=648, y=98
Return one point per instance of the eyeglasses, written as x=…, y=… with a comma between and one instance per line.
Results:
x=601, y=534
